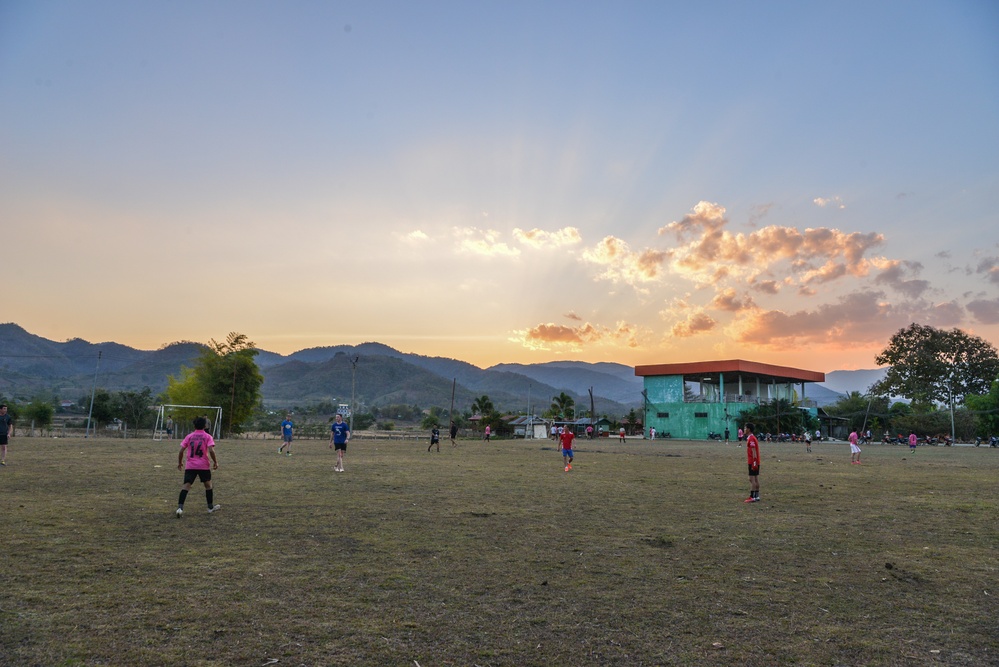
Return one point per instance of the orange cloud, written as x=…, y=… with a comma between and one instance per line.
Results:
x=622, y=265
x=811, y=256
x=558, y=337
x=861, y=317
x=728, y=300
x=695, y=323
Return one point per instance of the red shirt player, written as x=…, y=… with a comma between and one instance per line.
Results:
x=567, y=436
x=753, y=458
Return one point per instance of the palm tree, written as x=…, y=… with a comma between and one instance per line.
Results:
x=482, y=406
x=563, y=405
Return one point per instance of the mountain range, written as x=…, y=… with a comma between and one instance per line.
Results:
x=30, y=365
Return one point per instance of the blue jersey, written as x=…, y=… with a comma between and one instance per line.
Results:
x=340, y=433
x=286, y=427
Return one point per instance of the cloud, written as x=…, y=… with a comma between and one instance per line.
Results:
x=823, y=202
x=573, y=316
x=758, y=212
x=709, y=252
x=541, y=239
x=483, y=242
x=985, y=311
x=728, y=300
x=990, y=267
x=561, y=338
x=415, y=236
x=622, y=265
x=695, y=323
x=863, y=317
x=894, y=273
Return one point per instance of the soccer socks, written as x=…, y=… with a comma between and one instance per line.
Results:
x=210, y=495
x=183, y=497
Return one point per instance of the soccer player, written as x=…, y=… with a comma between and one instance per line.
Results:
x=913, y=440
x=435, y=438
x=753, y=456
x=199, y=447
x=6, y=433
x=567, y=437
x=287, y=429
x=339, y=437
x=808, y=441
x=620, y=434
x=454, y=434
x=854, y=449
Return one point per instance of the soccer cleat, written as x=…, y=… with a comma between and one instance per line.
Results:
x=749, y=500
x=180, y=512
x=3, y=463
x=570, y=466
x=214, y=509
x=567, y=468
x=289, y=453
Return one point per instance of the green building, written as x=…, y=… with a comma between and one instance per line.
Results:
x=690, y=400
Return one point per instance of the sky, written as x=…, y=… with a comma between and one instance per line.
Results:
x=503, y=181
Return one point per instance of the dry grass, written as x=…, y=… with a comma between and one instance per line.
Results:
x=492, y=555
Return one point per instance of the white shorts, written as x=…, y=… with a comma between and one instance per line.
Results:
x=854, y=449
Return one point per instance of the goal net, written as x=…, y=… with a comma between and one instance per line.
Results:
x=172, y=417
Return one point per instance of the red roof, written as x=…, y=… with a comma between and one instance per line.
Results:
x=731, y=366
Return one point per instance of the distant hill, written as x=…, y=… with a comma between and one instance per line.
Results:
x=846, y=381
x=30, y=364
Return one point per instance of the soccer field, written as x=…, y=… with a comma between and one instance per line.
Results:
x=491, y=554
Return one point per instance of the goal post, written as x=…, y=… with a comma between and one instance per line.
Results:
x=185, y=414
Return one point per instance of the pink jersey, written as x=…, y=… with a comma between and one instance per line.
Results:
x=197, y=445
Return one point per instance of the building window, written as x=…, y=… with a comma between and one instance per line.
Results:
x=701, y=415
x=662, y=415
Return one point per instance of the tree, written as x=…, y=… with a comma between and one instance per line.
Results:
x=861, y=410
x=226, y=375
x=564, y=406
x=482, y=406
x=39, y=412
x=135, y=407
x=985, y=408
x=935, y=365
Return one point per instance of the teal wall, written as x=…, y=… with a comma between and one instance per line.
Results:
x=665, y=396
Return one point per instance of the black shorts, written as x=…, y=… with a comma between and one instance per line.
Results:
x=754, y=471
x=3, y=438
x=342, y=446
x=191, y=475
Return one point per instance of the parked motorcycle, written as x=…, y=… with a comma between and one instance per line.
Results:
x=714, y=436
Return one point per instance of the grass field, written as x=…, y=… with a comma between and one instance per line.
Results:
x=490, y=554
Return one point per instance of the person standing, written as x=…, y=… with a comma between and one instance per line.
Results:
x=652, y=433
x=6, y=433
x=287, y=429
x=339, y=437
x=621, y=434
x=727, y=434
x=753, y=457
x=589, y=432
x=435, y=438
x=808, y=441
x=454, y=434
x=488, y=432
x=169, y=427
x=854, y=448
x=913, y=441
x=567, y=437
x=199, y=447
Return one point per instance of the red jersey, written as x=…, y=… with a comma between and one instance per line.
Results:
x=753, y=451
x=567, y=437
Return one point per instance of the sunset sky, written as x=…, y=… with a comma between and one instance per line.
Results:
x=636, y=182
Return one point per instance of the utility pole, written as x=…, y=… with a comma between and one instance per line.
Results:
x=353, y=385
x=92, y=393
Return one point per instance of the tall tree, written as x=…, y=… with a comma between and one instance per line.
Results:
x=226, y=375
x=482, y=406
x=135, y=407
x=564, y=406
x=935, y=365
